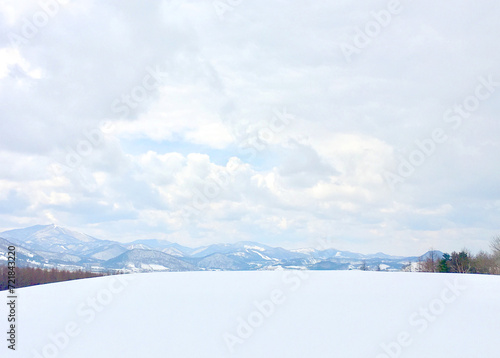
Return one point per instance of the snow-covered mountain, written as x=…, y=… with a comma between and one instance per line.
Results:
x=55, y=246
x=52, y=238
x=248, y=249
x=24, y=257
x=219, y=261
x=161, y=245
x=107, y=252
x=137, y=260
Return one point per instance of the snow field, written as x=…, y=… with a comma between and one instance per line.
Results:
x=259, y=313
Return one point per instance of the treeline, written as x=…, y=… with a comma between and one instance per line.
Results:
x=465, y=262
x=31, y=276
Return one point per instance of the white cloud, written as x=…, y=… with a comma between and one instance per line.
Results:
x=200, y=136
x=12, y=63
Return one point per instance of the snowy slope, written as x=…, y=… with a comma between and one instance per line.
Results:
x=23, y=256
x=108, y=252
x=305, y=314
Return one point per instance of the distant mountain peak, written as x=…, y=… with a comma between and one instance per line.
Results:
x=52, y=245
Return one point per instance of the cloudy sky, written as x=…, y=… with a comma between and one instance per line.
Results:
x=373, y=125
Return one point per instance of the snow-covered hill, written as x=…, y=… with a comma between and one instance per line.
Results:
x=349, y=314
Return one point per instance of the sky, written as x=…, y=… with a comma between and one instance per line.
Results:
x=369, y=126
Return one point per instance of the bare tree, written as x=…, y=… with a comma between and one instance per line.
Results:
x=420, y=264
x=483, y=262
x=495, y=245
x=363, y=266
x=431, y=262
x=461, y=261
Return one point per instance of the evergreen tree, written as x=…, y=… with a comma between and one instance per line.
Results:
x=443, y=265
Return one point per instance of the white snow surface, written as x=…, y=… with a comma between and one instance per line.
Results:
x=303, y=251
x=264, y=256
x=253, y=247
x=153, y=267
x=315, y=314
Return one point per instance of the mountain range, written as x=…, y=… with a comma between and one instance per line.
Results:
x=51, y=246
